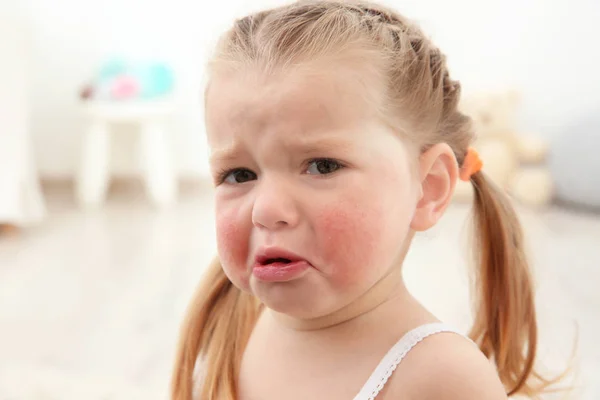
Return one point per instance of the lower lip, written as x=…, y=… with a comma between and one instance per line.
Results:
x=280, y=272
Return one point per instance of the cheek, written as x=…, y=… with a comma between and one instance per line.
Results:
x=351, y=237
x=232, y=244
x=361, y=237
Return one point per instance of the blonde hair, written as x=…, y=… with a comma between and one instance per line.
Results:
x=220, y=318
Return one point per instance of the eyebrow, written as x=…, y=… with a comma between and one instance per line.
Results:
x=224, y=155
x=309, y=146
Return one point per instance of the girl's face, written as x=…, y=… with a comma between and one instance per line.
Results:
x=314, y=196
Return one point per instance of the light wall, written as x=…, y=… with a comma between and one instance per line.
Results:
x=547, y=49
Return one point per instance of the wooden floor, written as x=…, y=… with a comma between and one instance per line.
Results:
x=90, y=302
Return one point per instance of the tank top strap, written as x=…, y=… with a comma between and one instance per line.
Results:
x=395, y=355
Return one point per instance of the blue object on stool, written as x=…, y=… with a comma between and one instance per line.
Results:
x=154, y=79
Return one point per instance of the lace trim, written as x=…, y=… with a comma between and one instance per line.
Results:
x=392, y=359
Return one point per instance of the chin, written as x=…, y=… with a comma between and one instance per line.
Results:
x=293, y=299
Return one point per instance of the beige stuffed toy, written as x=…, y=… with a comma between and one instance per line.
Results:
x=515, y=162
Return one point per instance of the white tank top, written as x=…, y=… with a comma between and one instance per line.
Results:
x=390, y=361
x=382, y=372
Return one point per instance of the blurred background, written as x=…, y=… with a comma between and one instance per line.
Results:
x=106, y=207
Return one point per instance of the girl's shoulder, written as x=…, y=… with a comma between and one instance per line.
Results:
x=448, y=366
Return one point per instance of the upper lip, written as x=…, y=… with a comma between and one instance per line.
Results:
x=269, y=253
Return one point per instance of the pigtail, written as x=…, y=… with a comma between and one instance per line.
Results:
x=217, y=326
x=505, y=326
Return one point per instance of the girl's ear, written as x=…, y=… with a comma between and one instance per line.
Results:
x=438, y=172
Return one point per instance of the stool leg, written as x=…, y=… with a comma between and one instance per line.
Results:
x=92, y=181
x=156, y=159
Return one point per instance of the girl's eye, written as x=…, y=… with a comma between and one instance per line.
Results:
x=239, y=175
x=323, y=166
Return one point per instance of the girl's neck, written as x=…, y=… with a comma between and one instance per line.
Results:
x=389, y=296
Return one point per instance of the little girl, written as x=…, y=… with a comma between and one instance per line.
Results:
x=335, y=138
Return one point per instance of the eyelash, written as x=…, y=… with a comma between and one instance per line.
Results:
x=224, y=173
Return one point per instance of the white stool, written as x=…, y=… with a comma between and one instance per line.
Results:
x=154, y=149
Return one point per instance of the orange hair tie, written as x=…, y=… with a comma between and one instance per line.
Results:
x=471, y=165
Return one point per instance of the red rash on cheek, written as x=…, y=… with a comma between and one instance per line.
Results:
x=348, y=237
x=232, y=244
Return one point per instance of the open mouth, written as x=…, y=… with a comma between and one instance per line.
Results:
x=278, y=260
x=276, y=257
x=278, y=265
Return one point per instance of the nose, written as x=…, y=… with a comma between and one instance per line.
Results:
x=274, y=205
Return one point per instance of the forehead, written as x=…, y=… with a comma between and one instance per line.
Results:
x=298, y=102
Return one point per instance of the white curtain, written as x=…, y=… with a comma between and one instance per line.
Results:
x=21, y=201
